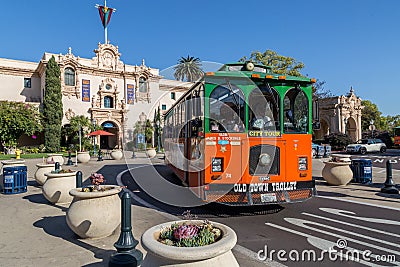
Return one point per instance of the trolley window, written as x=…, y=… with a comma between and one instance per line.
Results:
x=227, y=109
x=264, y=109
x=296, y=111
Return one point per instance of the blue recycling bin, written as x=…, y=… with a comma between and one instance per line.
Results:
x=362, y=170
x=14, y=180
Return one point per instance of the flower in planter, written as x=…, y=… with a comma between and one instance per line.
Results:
x=190, y=234
x=62, y=171
x=96, y=180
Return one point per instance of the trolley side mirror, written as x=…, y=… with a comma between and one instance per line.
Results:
x=316, y=125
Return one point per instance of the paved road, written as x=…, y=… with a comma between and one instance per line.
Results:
x=379, y=159
x=315, y=225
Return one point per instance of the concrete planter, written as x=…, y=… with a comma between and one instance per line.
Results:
x=337, y=173
x=216, y=254
x=57, y=186
x=94, y=214
x=151, y=152
x=117, y=154
x=53, y=158
x=42, y=169
x=83, y=157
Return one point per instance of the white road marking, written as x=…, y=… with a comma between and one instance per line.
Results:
x=360, y=203
x=352, y=224
x=323, y=244
x=306, y=224
x=348, y=214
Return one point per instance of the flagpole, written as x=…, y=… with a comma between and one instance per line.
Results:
x=105, y=29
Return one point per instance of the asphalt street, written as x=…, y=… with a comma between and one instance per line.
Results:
x=318, y=231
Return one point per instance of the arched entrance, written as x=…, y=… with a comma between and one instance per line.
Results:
x=109, y=142
x=351, y=129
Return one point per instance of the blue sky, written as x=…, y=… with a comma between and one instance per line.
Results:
x=343, y=42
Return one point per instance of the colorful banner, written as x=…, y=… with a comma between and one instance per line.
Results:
x=130, y=93
x=105, y=15
x=85, y=90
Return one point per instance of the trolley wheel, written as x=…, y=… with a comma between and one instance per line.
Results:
x=363, y=151
x=383, y=149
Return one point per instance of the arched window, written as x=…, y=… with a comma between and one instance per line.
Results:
x=264, y=109
x=108, y=102
x=142, y=85
x=227, y=109
x=296, y=111
x=69, y=77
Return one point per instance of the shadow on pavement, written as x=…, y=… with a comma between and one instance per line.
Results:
x=40, y=199
x=211, y=210
x=57, y=226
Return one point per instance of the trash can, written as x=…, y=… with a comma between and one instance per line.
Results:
x=14, y=180
x=362, y=170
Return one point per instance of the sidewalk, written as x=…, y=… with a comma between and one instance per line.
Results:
x=34, y=232
x=368, y=194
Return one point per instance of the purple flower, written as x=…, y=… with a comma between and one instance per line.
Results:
x=34, y=136
x=186, y=231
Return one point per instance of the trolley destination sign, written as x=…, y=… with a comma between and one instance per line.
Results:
x=265, y=187
x=264, y=133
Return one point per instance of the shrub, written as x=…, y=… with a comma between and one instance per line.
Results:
x=338, y=141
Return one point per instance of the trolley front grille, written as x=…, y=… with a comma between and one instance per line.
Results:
x=255, y=165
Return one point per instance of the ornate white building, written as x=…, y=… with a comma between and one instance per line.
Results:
x=340, y=114
x=105, y=89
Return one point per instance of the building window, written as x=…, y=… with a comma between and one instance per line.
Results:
x=69, y=76
x=142, y=85
x=108, y=102
x=27, y=82
x=173, y=95
x=163, y=107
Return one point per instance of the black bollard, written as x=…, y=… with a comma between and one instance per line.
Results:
x=69, y=162
x=78, y=179
x=57, y=167
x=99, y=156
x=389, y=186
x=126, y=254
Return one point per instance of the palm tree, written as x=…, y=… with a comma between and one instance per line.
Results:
x=188, y=69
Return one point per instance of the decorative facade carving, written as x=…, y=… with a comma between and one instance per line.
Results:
x=70, y=61
x=69, y=114
x=107, y=57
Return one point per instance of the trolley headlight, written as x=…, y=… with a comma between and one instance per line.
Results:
x=216, y=164
x=264, y=159
x=302, y=163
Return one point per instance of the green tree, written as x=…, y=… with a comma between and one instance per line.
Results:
x=280, y=64
x=16, y=119
x=370, y=113
x=84, y=123
x=319, y=90
x=286, y=66
x=148, y=131
x=389, y=122
x=52, y=107
x=188, y=69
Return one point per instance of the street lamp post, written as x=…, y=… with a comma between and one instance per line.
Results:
x=94, y=140
x=372, y=127
x=345, y=125
x=158, y=137
x=80, y=137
